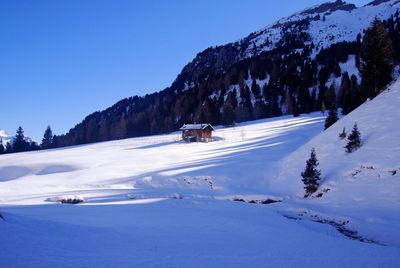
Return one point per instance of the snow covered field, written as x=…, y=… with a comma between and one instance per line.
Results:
x=159, y=202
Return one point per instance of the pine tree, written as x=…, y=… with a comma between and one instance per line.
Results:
x=354, y=140
x=331, y=118
x=345, y=97
x=19, y=144
x=323, y=109
x=33, y=146
x=311, y=176
x=55, y=141
x=9, y=148
x=377, y=55
x=47, y=140
x=2, y=149
x=343, y=134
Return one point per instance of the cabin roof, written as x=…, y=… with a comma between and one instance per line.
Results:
x=196, y=127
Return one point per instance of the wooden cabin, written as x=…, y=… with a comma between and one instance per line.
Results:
x=197, y=132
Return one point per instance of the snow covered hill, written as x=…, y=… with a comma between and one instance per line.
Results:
x=159, y=202
x=294, y=65
x=323, y=25
x=366, y=182
x=328, y=24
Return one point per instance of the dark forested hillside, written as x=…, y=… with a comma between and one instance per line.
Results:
x=287, y=68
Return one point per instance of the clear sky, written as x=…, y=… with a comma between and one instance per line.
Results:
x=61, y=60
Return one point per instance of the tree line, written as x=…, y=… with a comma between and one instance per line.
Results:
x=20, y=143
x=285, y=80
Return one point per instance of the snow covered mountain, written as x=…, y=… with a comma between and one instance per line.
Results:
x=322, y=25
x=325, y=25
x=292, y=66
x=4, y=137
x=157, y=201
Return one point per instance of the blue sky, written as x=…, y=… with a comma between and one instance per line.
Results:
x=62, y=60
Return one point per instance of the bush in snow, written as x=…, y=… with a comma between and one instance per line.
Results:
x=354, y=140
x=72, y=200
x=343, y=134
x=311, y=176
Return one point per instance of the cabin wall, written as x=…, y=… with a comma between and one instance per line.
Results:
x=201, y=135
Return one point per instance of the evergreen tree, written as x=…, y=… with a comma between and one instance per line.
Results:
x=323, y=109
x=55, y=141
x=19, y=144
x=343, y=134
x=33, y=146
x=311, y=176
x=2, y=149
x=377, y=55
x=331, y=118
x=354, y=140
x=345, y=97
x=47, y=140
x=228, y=115
x=9, y=148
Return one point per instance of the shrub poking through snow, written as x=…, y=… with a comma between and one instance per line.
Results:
x=311, y=176
x=354, y=140
x=343, y=134
x=71, y=200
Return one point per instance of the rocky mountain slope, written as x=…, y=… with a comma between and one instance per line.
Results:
x=293, y=66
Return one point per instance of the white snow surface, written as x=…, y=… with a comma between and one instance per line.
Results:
x=338, y=26
x=158, y=202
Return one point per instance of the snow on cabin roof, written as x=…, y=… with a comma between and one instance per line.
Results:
x=196, y=127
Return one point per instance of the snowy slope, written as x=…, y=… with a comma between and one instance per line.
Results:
x=326, y=27
x=158, y=162
x=158, y=202
x=365, y=184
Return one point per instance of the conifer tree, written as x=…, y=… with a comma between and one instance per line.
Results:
x=343, y=134
x=332, y=117
x=33, y=146
x=2, y=149
x=47, y=140
x=323, y=109
x=311, y=176
x=345, y=89
x=19, y=144
x=55, y=141
x=354, y=140
x=377, y=60
x=9, y=148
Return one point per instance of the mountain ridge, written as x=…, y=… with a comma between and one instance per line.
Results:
x=210, y=80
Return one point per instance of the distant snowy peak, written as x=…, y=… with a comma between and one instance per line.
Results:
x=330, y=7
x=4, y=137
x=325, y=24
x=378, y=2
x=322, y=26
